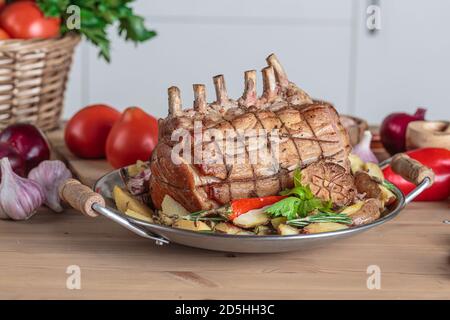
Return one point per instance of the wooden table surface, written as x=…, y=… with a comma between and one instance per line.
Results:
x=412, y=253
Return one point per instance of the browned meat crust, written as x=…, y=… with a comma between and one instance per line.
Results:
x=308, y=131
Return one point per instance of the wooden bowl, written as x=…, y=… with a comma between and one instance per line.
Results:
x=355, y=128
x=428, y=134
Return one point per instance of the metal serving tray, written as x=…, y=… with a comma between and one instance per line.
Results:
x=164, y=235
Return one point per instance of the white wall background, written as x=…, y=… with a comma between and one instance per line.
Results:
x=324, y=45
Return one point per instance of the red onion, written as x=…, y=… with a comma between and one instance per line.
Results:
x=29, y=142
x=15, y=159
x=393, y=129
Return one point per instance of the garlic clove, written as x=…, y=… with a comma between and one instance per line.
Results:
x=19, y=197
x=50, y=174
x=362, y=149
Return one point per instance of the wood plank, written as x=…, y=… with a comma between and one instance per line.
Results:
x=411, y=251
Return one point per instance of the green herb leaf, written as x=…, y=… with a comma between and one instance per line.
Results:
x=287, y=207
x=134, y=29
x=300, y=203
x=53, y=8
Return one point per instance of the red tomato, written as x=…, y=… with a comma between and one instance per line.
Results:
x=4, y=35
x=24, y=20
x=2, y=4
x=87, y=131
x=132, y=138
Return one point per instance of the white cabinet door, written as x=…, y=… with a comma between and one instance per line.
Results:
x=405, y=64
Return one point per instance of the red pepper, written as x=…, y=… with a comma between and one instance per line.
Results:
x=438, y=159
x=241, y=206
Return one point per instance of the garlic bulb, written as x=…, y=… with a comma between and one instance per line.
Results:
x=362, y=149
x=19, y=197
x=50, y=174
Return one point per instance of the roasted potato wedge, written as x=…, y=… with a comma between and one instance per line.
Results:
x=369, y=212
x=125, y=201
x=353, y=208
x=191, y=225
x=263, y=230
x=245, y=233
x=276, y=221
x=251, y=219
x=356, y=164
x=374, y=171
x=226, y=227
x=323, y=227
x=286, y=230
x=387, y=196
x=172, y=208
x=138, y=215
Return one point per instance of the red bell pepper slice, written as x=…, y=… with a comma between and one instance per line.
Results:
x=242, y=206
x=438, y=159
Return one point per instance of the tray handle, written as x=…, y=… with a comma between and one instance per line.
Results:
x=413, y=171
x=91, y=204
x=80, y=197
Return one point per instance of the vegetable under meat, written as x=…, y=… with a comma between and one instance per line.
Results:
x=241, y=206
x=295, y=211
x=287, y=230
x=252, y=218
x=323, y=227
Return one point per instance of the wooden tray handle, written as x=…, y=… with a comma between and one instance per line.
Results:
x=80, y=197
x=410, y=169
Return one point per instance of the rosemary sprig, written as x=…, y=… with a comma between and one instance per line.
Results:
x=321, y=217
x=203, y=215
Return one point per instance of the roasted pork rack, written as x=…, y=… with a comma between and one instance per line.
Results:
x=309, y=132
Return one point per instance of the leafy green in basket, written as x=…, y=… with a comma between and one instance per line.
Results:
x=96, y=16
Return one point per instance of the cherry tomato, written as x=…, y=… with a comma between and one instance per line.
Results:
x=4, y=35
x=24, y=20
x=87, y=131
x=133, y=137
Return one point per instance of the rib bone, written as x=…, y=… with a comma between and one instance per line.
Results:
x=281, y=75
x=221, y=90
x=269, y=83
x=200, y=97
x=250, y=96
x=174, y=101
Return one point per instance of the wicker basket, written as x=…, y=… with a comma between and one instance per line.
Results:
x=33, y=76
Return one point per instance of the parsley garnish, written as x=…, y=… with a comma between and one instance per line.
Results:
x=300, y=203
